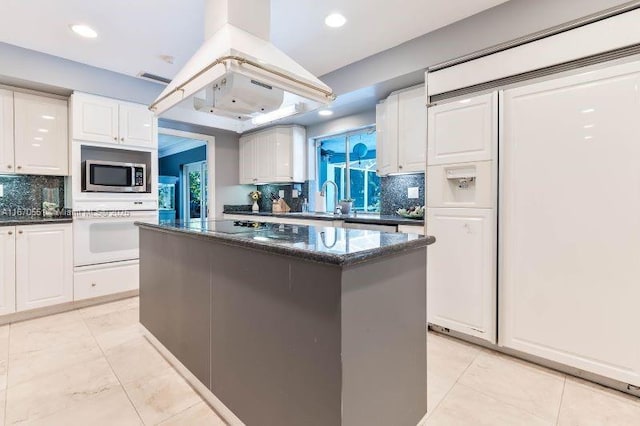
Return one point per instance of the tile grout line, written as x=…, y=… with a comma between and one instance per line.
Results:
x=112, y=370
x=564, y=387
x=452, y=386
x=490, y=352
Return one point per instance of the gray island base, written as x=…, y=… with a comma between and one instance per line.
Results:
x=292, y=325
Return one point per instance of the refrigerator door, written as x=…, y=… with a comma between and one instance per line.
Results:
x=461, y=271
x=570, y=221
x=463, y=131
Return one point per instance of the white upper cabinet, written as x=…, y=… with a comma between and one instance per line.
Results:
x=387, y=136
x=7, y=270
x=44, y=265
x=275, y=155
x=98, y=119
x=247, y=160
x=412, y=130
x=95, y=118
x=136, y=125
x=265, y=156
x=41, y=135
x=401, y=124
x=6, y=132
x=463, y=131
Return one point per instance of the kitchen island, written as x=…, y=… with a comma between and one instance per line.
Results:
x=291, y=325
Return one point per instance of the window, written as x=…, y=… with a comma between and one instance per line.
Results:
x=354, y=174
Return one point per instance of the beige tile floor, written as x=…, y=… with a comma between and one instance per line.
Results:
x=94, y=367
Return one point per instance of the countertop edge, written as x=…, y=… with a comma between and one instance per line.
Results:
x=303, y=255
x=43, y=221
x=347, y=219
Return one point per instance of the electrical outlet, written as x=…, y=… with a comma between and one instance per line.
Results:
x=295, y=193
x=281, y=193
x=413, y=193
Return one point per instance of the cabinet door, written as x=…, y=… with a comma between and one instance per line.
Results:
x=570, y=232
x=95, y=119
x=137, y=126
x=6, y=132
x=283, y=155
x=463, y=131
x=248, y=174
x=387, y=136
x=461, y=271
x=41, y=135
x=412, y=131
x=265, y=145
x=44, y=265
x=7, y=270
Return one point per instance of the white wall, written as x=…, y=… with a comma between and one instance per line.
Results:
x=342, y=124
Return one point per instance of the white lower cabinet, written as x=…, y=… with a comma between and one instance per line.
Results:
x=102, y=280
x=7, y=270
x=461, y=271
x=44, y=265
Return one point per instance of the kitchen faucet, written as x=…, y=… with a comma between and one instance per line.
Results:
x=337, y=209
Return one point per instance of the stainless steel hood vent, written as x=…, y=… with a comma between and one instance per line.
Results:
x=239, y=73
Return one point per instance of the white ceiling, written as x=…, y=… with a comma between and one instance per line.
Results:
x=134, y=34
x=170, y=144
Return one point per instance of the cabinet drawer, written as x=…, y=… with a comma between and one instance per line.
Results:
x=106, y=280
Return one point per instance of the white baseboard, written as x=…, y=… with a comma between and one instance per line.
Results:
x=64, y=307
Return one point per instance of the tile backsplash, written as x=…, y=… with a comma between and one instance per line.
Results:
x=22, y=195
x=394, y=192
x=295, y=203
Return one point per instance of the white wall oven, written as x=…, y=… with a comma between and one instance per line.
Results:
x=102, y=237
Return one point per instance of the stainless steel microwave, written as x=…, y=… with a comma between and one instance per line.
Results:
x=112, y=176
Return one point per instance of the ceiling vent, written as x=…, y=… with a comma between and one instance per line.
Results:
x=154, y=78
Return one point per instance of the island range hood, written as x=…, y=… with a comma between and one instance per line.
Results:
x=238, y=73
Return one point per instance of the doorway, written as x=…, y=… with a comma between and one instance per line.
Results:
x=186, y=174
x=194, y=179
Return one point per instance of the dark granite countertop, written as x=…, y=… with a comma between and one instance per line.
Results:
x=372, y=218
x=33, y=220
x=330, y=245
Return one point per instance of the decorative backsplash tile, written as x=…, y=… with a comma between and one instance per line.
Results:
x=394, y=192
x=230, y=208
x=295, y=203
x=22, y=195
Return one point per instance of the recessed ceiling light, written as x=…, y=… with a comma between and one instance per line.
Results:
x=38, y=138
x=335, y=20
x=43, y=130
x=325, y=112
x=48, y=117
x=84, y=30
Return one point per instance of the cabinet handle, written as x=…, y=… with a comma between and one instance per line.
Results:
x=93, y=284
x=115, y=138
x=400, y=166
x=9, y=166
x=10, y=232
x=20, y=231
x=19, y=167
x=122, y=139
